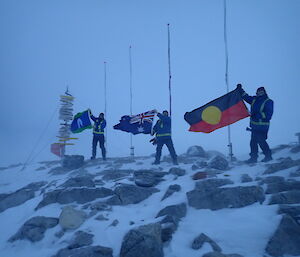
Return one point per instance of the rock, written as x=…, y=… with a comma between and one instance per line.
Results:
x=218, y=163
x=291, y=210
x=218, y=254
x=245, y=178
x=286, y=239
x=147, y=178
x=290, y=197
x=295, y=149
x=101, y=217
x=89, y=251
x=211, y=184
x=34, y=229
x=173, y=215
x=100, y=206
x=201, y=239
x=114, y=223
x=71, y=218
x=199, y=175
x=72, y=161
x=219, y=198
x=272, y=179
x=178, y=211
x=171, y=190
x=81, y=181
x=144, y=241
x=20, y=196
x=130, y=194
x=283, y=186
x=59, y=171
x=196, y=151
x=81, y=239
x=124, y=160
x=295, y=173
x=199, y=165
x=284, y=164
x=177, y=171
x=79, y=195
x=115, y=175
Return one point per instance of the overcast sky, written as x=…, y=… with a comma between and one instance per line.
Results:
x=49, y=44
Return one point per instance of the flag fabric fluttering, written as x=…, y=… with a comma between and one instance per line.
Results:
x=81, y=122
x=137, y=124
x=57, y=149
x=218, y=113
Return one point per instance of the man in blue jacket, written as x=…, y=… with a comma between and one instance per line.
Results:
x=261, y=114
x=98, y=134
x=162, y=132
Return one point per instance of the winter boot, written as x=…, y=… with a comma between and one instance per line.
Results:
x=251, y=160
x=267, y=159
x=156, y=163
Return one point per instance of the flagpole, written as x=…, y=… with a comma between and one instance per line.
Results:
x=169, y=63
x=105, y=102
x=226, y=76
x=130, y=87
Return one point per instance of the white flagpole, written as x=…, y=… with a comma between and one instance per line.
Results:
x=105, y=102
x=130, y=87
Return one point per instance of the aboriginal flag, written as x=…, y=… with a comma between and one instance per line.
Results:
x=218, y=113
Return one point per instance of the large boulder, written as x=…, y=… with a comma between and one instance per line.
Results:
x=34, y=229
x=219, y=198
x=79, y=195
x=89, y=251
x=290, y=197
x=20, y=196
x=130, y=194
x=286, y=239
x=71, y=218
x=218, y=163
x=72, y=161
x=143, y=241
x=196, y=151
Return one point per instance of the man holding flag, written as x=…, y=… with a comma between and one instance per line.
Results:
x=98, y=134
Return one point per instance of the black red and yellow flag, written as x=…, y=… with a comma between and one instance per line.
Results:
x=218, y=113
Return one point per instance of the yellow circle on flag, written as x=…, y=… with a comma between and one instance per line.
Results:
x=211, y=115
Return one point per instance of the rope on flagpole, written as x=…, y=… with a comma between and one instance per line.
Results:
x=169, y=62
x=130, y=86
x=226, y=76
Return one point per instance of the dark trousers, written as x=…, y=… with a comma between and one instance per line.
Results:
x=258, y=138
x=101, y=140
x=169, y=143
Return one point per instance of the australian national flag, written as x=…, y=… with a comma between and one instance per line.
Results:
x=136, y=124
x=81, y=122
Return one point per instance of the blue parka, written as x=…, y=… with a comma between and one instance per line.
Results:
x=162, y=128
x=261, y=111
x=99, y=125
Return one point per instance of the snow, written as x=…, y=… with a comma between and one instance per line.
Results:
x=245, y=231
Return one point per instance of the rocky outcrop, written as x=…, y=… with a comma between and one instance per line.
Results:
x=34, y=229
x=143, y=241
x=20, y=196
x=286, y=239
x=78, y=195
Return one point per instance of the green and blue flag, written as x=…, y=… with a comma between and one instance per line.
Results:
x=81, y=122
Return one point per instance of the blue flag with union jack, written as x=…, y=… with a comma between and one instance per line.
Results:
x=137, y=124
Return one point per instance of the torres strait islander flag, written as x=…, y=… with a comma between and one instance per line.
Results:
x=218, y=113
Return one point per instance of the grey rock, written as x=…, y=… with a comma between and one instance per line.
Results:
x=283, y=186
x=101, y=217
x=295, y=149
x=81, y=239
x=20, y=196
x=295, y=173
x=201, y=239
x=71, y=218
x=218, y=163
x=147, y=178
x=282, y=165
x=130, y=194
x=89, y=251
x=80, y=181
x=211, y=184
x=233, y=197
x=290, y=197
x=272, y=179
x=286, y=239
x=34, y=229
x=59, y=171
x=144, y=241
x=115, y=175
x=177, y=171
x=114, y=223
x=291, y=210
x=171, y=190
x=196, y=151
x=218, y=254
x=79, y=195
x=199, y=165
x=72, y=161
x=124, y=160
x=178, y=211
x=245, y=178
